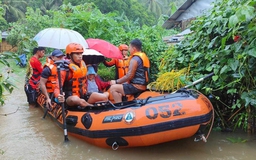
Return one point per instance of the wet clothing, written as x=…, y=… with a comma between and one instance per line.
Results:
x=31, y=94
x=130, y=89
x=37, y=68
x=32, y=79
x=121, y=66
x=137, y=75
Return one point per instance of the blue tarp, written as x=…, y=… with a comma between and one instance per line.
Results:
x=22, y=60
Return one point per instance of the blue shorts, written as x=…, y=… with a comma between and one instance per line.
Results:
x=130, y=89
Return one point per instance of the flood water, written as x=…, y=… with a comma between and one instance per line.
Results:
x=24, y=135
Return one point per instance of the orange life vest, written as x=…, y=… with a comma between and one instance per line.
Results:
x=49, y=60
x=146, y=66
x=78, y=81
x=51, y=81
x=122, y=66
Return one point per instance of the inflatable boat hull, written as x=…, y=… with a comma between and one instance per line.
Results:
x=141, y=122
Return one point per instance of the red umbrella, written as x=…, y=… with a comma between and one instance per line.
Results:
x=104, y=47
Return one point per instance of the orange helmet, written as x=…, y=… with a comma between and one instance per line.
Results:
x=74, y=48
x=123, y=47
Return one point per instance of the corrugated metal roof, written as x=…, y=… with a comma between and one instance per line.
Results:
x=171, y=22
x=190, y=9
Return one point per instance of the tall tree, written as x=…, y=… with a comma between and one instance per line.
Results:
x=3, y=23
x=74, y=2
x=170, y=9
x=159, y=7
x=155, y=6
x=131, y=8
x=170, y=6
x=14, y=9
x=49, y=5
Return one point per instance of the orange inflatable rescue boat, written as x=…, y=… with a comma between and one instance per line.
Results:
x=150, y=119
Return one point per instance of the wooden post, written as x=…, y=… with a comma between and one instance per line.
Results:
x=249, y=120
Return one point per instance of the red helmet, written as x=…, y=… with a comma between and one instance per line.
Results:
x=74, y=48
x=123, y=47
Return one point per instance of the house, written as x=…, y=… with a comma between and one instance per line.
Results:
x=187, y=12
x=4, y=46
x=178, y=37
x=183, y=16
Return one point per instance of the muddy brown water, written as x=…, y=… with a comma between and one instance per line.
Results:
x=24, y=135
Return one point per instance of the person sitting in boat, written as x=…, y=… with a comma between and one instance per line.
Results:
x=49, y=74
x=120, y=64
x=74, y=81
x=94, y=83
x=137, y=78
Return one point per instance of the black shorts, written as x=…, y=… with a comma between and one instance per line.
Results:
x=31, y=94
x=87, y=96
x=130, y=89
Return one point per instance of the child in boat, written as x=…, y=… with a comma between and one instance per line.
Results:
x=94, y=83
x=74, y=81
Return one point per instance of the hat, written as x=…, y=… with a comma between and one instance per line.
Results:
x=90, y=70
x=57, y=53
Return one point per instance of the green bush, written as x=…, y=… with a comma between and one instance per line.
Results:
x=106, y=73
x=223, y=42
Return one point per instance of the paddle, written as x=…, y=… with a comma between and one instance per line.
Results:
x=59, y=65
